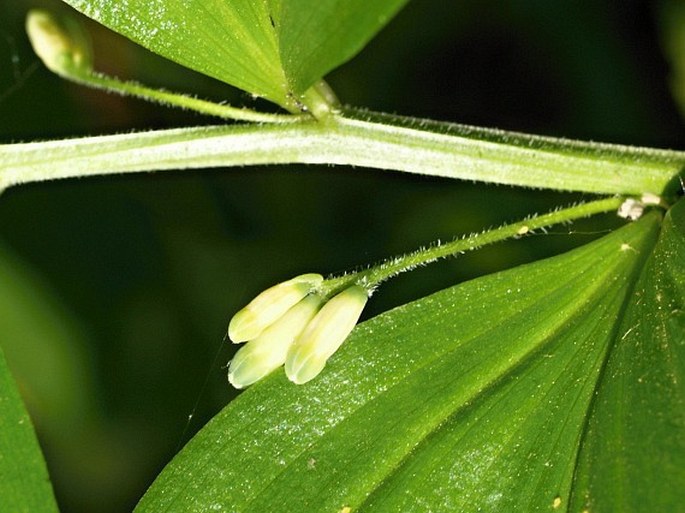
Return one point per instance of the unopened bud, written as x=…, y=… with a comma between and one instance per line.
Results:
x=267, y=352
x=324, y=334
x=61, y=44
x=269, y=306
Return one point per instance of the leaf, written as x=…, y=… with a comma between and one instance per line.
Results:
x=271, y=48
x=316, y=36
x=24, y=483
x=473, y=399
x=232, y=41
x=45, y=349
x=633, y=456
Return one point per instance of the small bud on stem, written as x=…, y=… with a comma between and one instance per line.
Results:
x=268, y=351
x=325, y=334
x=61, y=44
x=269, y=306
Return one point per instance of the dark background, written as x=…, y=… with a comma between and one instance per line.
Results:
x=117, y=291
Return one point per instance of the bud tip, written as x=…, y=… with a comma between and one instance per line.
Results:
x=60, y=44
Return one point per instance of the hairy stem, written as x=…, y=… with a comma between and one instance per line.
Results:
x=372, y=277
x=357, y=139
x=172, y=99
x=327, y=135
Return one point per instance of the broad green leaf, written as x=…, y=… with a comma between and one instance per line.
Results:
x=473, y=399
x=316, y=36
x=232, y=41
x=633, y=456
x=271, y=48
x=24, y=483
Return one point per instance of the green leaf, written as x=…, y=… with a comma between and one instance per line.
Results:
x=232, y=41
x=271, y=48
x=45, y=349
x=316, y=36
x=473, y=399
x=633, y=457
x=24, y=483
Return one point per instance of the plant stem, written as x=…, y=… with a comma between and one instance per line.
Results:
x=128, y=88
x=64, y=48
x=326, y=136
x=372, y=277
x=498, y=156
x=357, y=139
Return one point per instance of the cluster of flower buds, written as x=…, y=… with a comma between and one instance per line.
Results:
x=292, y=324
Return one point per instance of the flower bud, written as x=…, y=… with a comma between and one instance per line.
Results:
x=267, y=352
x=270, y=305
x=324, y=334
x=61, y=45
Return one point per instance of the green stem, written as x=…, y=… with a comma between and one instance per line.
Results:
x=326, y=136
x=64, y=48
x=496, y=156
x=372, y=277
x=357, y=139
x=127, y=88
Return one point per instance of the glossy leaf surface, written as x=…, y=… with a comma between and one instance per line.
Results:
x=633, y=457
x=473, y=399
x=316, y=36
x=271, y=48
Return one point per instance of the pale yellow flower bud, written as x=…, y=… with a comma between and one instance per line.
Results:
x=269, y=306
x=61, y=44
x=267, y=352
x=324, y=334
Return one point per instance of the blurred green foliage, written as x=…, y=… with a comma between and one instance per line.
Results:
x=145, y=271
x=672, y=21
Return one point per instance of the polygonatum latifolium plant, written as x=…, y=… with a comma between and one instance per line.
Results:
x=275, y=49
x=554, y=386
x=319, y=130
x=526, y=390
